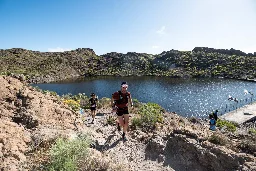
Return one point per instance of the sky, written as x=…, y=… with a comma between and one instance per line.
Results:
x=143, y=26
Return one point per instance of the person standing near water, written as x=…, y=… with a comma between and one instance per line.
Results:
x=215, y=115
x=212, y=122
x=119, y=103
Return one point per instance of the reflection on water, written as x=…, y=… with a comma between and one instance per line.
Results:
x=187, y=97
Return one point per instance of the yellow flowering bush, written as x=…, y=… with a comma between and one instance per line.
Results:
x=74, y=104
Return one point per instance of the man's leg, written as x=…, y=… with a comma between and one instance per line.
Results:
x=125, y=128
x=93, y=115
x=126, y=122
x=121, y=120
x=118, y=125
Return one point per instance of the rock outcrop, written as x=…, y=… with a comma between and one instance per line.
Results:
x=29, y=119
x=38, y=67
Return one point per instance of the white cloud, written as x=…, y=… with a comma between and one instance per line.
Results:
x=58, y=49
x=155, y=47
x=161, y=31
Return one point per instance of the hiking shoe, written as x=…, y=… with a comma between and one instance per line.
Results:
x=124, y=138
x=118, y=127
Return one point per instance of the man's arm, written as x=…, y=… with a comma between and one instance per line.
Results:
x=130, y=100
x=112, y=101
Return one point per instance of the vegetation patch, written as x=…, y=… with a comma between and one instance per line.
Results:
x=230, y=126
x=248, y=145
x=111, y=120
x=218, y=139
x=200, y=62
x=66, y=154
x=75, y=105
x=104, y=102
x=252, y=131
x=149, y=115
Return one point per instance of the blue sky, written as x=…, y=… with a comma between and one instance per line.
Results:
x=145, y=26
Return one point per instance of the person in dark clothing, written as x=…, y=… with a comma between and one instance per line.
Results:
x=119, y=103
x=212, y=123
x=93, y=105
x=215, y=115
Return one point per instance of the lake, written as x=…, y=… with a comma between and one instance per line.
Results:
x=188, y=97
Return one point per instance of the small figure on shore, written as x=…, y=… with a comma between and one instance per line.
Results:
x=119, y=103
x=230, y=98
x=93, y=105
x=212, y=123
x=215, y=115
x=247, y=92
x=236, y=100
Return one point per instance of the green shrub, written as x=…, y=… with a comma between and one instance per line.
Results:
x=136, y=122
x=248, y=146
x=38, y=89
x=111, y=120
x=230, y=126
x=136, y=103
x=3, y=73
x=79, y=96
x=104, y=102
x=45, y=91
x=66, y=154
x=53, y=93
x=67, y=96
x=252, y=131
x=150, y=114
x=218, y=139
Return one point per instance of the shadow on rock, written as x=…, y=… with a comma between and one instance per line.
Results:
x=107, y=145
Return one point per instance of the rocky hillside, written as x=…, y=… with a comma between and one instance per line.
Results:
x=55, y=66
x=31, y=121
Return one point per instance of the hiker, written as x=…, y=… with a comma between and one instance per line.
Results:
x=119, y=102
x=215, y=115
x=230, y=98
x=247, y=92
x=236, y=100
x=93, y=104
x=212, y=123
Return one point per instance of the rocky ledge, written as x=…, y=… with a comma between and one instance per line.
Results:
x=31, y=121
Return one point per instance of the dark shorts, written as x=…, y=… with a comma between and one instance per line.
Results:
x=93, y=108
x=122, y=111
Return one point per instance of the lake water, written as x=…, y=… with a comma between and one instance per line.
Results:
x=187, y=97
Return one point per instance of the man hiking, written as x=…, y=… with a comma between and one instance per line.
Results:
x=119, y=102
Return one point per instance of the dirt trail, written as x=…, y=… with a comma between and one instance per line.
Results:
x=130, y=154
